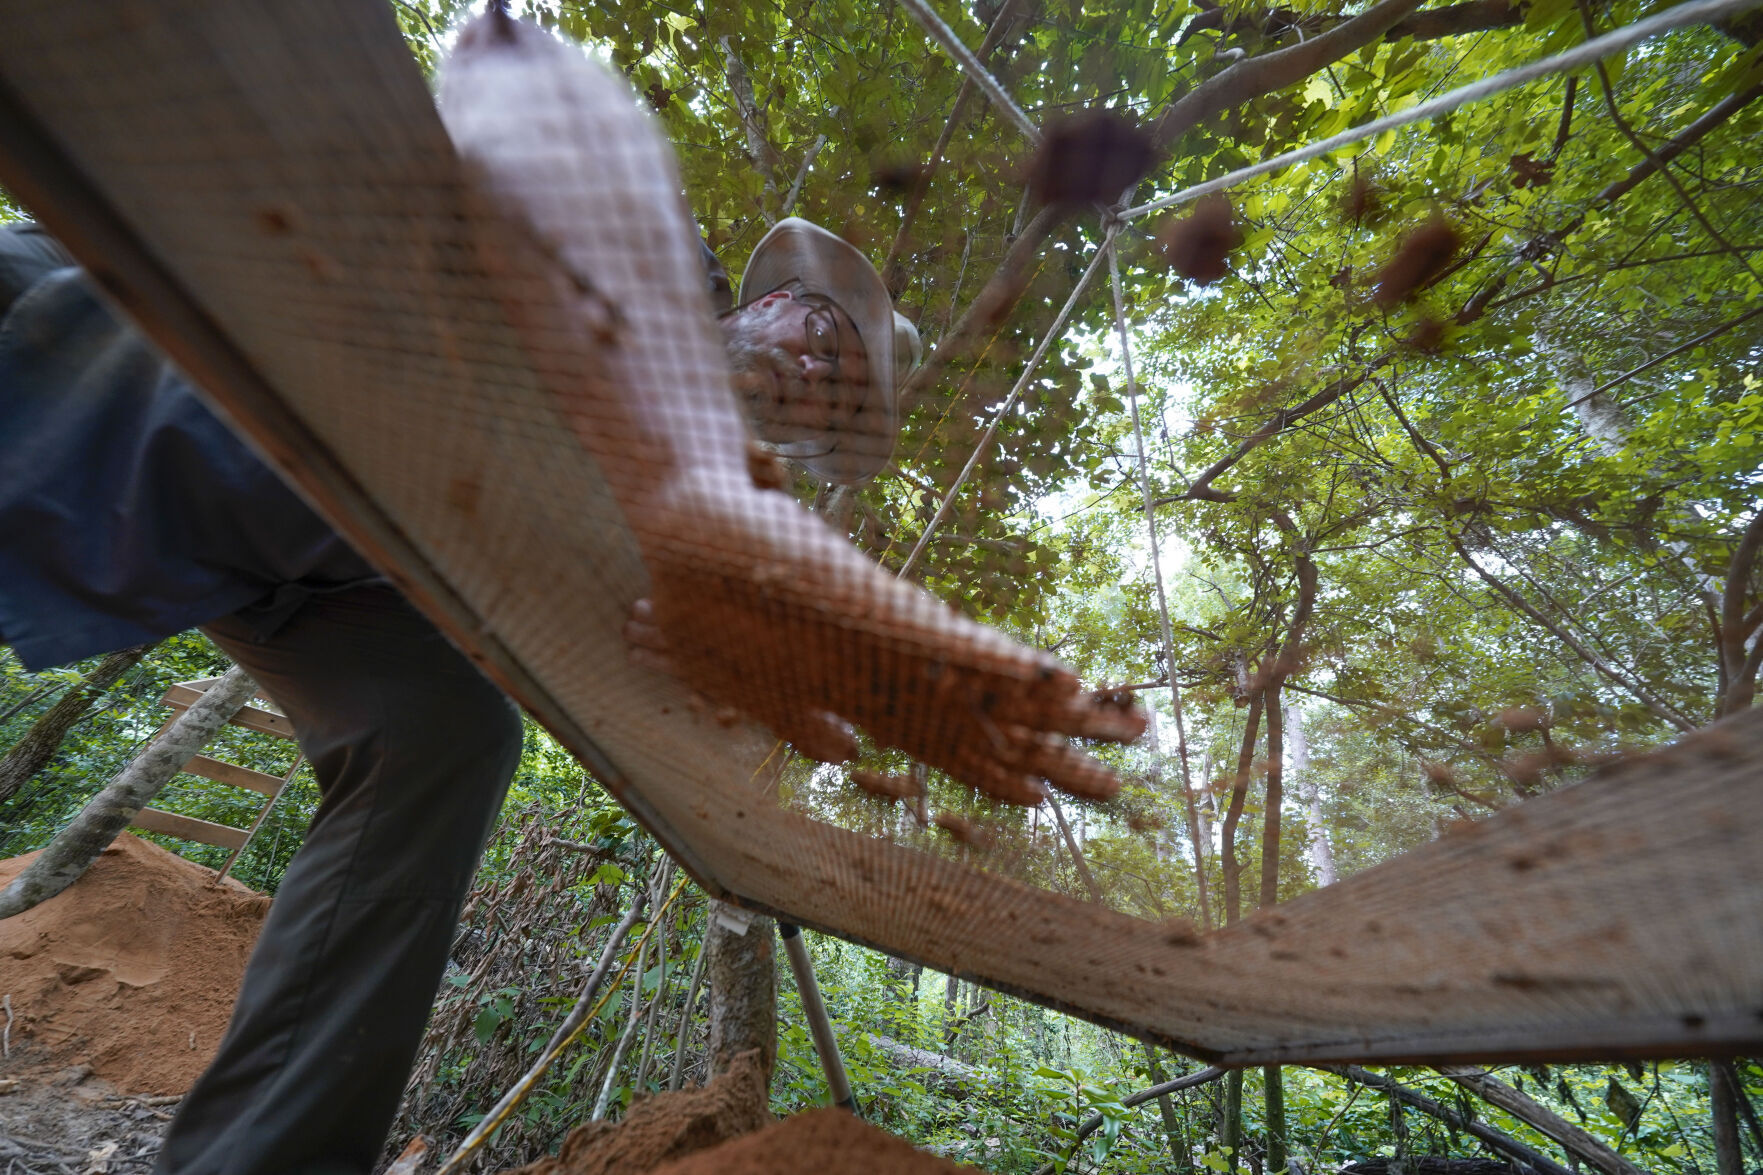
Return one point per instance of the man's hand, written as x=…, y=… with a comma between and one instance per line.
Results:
x=754, y=602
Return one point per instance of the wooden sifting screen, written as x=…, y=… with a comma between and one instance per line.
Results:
x=265, y=186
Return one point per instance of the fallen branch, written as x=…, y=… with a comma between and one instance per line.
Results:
x=1588, y=1147
x=954, y=1078
x=1503, y=1143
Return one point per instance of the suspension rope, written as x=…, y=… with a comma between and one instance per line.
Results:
x=1695, y=12
x=1138, y=434
x=985, y=440
x=953, y=46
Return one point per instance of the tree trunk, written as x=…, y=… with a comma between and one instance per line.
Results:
x=1239, y=793
x=1077, y=858
x=1270, y=817
x=1231, y=1131
x=32, y=753
x=1320, y=851
x=743, y=994
x=1723, y=1106
x=1181, y=1160
x=1273, y=1077
x=1270, y=837
x=1399, y=1164
x=109, y=812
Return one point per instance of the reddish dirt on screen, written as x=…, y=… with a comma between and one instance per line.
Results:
x=666, y=1126
x=725, y=1129
x=132, y=970
x=813, y=1143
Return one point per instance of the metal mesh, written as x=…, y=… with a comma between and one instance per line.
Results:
x=267, y=188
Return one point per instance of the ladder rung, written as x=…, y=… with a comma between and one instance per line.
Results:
x=234, y=774
x=189, y=828
x=179, y=697
x=201, y=684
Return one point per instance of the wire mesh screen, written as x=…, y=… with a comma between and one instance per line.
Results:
x=525, y=421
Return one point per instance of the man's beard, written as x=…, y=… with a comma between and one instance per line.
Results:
x=774, y=396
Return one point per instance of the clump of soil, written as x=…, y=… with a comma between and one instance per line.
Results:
x=814, y=1143
x=666, y=1126
x=132, y=970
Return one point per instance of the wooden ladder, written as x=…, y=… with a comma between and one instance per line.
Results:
x=257, y=718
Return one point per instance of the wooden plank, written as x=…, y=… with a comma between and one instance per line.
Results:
x=257, y=781
x=189, y=828
x=251, y=717
x=200, y=685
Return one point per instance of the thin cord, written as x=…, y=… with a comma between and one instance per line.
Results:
x=1181, y=735
x=953, y=46
x=985, y=440
x=511, y=1100
x=1696, y=12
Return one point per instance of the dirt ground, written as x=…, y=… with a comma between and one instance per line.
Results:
x=131, y=971
x=71, y=1123
x=120, y=988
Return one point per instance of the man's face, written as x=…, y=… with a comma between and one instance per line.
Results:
x=799, y=366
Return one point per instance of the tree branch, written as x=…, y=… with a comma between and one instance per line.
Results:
x=1268, y=72
x=1659, y=708
x=759, y=149
x=1640, y=145
x=988, y=310
x=801, y=175
x=892, y=269
x=1201, y=489
x=1477, y=16
x=1587, y=1146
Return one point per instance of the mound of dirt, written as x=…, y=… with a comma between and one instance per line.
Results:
x=666, y=1126
x=814, y=1143
x=132, y=970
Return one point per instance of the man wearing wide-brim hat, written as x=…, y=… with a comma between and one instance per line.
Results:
x=818, y=352
x=129, y=511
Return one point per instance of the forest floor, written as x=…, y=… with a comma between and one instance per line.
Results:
x=116, y=992
x=71, y=1123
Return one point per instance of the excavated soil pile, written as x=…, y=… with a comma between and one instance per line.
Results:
x=132, y=970
x=812, y=1144
x=666, y=1126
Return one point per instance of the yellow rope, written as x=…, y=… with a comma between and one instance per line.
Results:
x=481, y=1133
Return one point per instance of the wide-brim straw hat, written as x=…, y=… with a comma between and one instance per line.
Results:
x=800, y=250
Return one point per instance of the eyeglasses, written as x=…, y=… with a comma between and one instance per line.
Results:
x=821, y=331
x=820, y=328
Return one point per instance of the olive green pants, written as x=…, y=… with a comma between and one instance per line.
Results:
x=413, y=750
